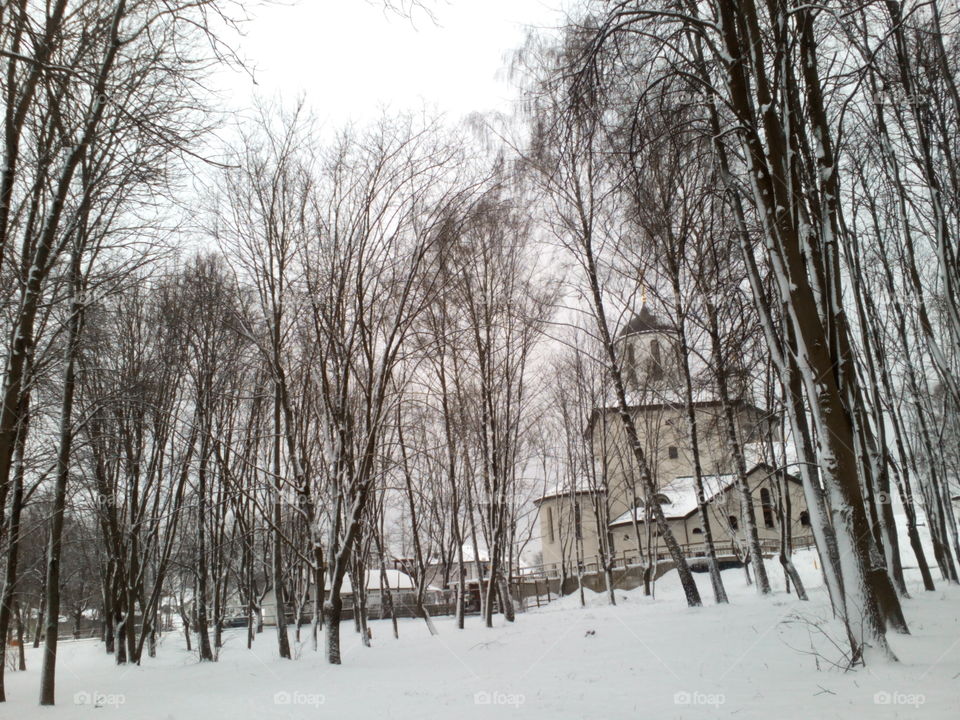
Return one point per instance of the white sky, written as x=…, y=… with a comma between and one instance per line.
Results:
x=352, y=59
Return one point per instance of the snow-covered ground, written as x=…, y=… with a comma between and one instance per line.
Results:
x=644, y=658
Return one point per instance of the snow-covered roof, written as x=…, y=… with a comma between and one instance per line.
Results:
x=470, y=555
x=652, y=398
x=396, y=580
x=681, y=496
x=703, y=400
x=671, y=401
x=559, y=491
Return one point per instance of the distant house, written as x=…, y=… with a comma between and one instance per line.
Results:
x=573, y=519
x=401, y=588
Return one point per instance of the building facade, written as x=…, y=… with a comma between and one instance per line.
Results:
x=610, y=509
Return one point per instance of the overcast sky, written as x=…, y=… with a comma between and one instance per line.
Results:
x=352, y=58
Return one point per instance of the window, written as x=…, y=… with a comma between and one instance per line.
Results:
x=805, y=518
x=767, y=504
x=672, y=452
x=550, y=535
x=577, y=521
x=656, y=369
x=631, y=366
x=697, y=531
x=734, y=523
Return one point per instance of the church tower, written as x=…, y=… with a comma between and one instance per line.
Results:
x=649, y=348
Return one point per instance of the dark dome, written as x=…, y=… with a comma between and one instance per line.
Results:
x=645, y=322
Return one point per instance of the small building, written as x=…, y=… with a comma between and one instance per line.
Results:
x=399, y=585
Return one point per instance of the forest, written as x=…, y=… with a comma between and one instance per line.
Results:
x=245, y=359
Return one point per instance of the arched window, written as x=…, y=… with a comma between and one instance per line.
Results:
x=805, y=518
x=697, y=531
x=631, y=365
x=767, y=504
x=656, y=368
x=734, y=522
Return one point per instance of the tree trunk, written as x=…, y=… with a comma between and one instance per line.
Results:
x=74, y=324
x=683, y=570
x=200, y=601
x=283, y=641
x=332, y=609
x=719, y=592
x=7, y=600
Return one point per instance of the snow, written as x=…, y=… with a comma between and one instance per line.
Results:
x=561, y=661
x=649, y=657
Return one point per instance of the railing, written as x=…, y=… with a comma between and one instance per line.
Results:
x=725, y=551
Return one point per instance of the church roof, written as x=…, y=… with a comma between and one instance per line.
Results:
x=644, y=322
x=679, y=497
x=560, y=491
x=677, y=404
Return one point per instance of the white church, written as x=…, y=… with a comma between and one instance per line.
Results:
x=612, y=503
